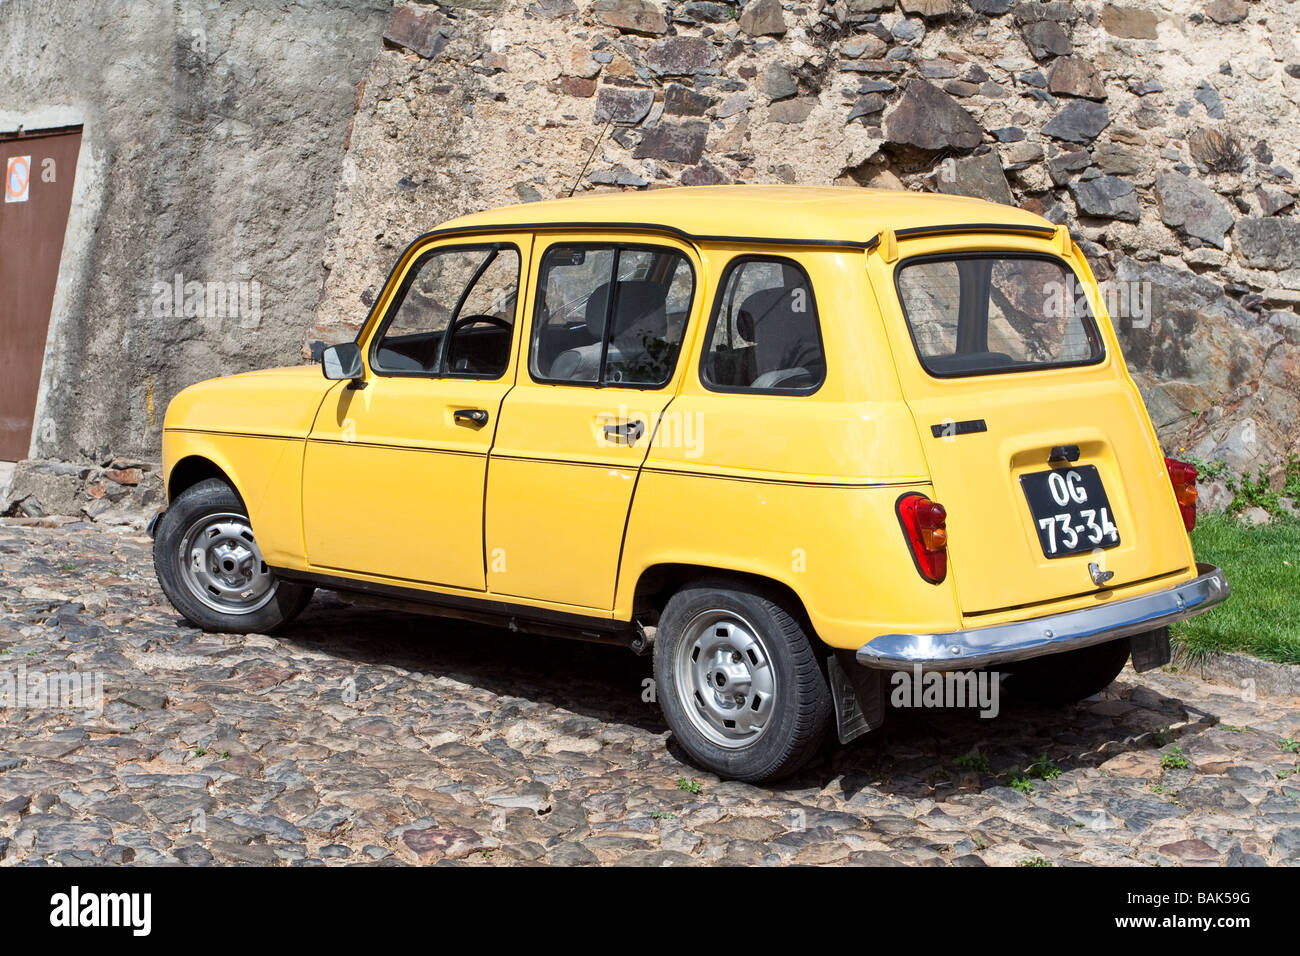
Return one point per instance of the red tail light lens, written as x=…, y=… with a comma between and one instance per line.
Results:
x=925, y=527
x=1182, y=475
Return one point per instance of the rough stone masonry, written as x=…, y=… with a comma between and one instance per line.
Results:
x=1163, y=133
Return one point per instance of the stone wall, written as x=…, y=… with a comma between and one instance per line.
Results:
x=1164, y=133
x=108, y=491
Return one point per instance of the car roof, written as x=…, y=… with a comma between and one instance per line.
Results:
x=850, y=215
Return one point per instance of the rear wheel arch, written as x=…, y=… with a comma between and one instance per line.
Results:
x=659, y=582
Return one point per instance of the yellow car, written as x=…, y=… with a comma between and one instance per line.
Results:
x=790, y=439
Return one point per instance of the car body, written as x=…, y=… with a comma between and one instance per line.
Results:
x=568, y=415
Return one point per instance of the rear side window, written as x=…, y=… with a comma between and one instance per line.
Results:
x=983, y=314
x=764, y=335
x=610, y=315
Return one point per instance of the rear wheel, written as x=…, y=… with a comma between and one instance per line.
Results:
x=739, y=682
x=1065, y=678
x=211, y=569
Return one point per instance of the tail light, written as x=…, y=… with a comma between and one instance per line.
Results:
x=1182, y=475
x=925, y=527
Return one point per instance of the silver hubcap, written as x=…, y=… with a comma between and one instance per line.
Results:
x=222, y=566
x=725, y=679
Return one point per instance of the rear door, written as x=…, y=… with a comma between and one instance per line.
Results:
x=598, y=368
x=1037, y=442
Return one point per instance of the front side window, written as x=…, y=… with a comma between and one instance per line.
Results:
x=987, y=313
x=455, y=315
x=610, y=315
x=764, y=335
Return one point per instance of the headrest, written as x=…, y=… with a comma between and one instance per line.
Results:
x=640, y=305
x=597, y=306
x=760, y=306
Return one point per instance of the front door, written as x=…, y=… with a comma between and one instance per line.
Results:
x=608, y=320
x=394, y=471
x=39, y=170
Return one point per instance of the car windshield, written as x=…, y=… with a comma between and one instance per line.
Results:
x=988, y=313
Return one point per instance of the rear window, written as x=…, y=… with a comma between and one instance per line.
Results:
x=983, y=314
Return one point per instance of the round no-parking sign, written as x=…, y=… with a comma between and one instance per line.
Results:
x=18, y=177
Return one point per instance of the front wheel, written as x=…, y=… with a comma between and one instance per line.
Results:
x=739, y=682
x=211, y=569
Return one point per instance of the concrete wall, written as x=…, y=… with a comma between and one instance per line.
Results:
x=213, y=137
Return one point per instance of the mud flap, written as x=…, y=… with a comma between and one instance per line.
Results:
x=859, y=696
x=1150, y=650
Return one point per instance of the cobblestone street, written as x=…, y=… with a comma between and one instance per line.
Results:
x=362, y=735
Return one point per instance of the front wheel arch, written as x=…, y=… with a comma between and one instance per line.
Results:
x=228, y=569
x=191, y=470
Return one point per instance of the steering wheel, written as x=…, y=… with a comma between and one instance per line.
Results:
x=459, y=324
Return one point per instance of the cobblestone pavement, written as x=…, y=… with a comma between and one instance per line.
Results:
x=362, y=735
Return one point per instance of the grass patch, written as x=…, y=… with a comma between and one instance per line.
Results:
x=1254, y=491
x=1044, y=768
x=689, y=786
x=972, y=761
x=1263, y=568
x=1173, y=759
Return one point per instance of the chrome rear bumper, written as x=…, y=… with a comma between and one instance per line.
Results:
x=1036, y=637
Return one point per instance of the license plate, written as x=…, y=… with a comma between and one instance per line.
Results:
x=1070, y=509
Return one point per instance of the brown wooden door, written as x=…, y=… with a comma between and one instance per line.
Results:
x=34, y=201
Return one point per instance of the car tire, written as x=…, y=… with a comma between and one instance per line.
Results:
x=738, y=678
x=211, y=569
x=1066, y=678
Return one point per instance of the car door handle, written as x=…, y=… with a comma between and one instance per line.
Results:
x=625, y=433
x=474, y=416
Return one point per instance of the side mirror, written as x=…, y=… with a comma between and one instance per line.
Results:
x=340, y=362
